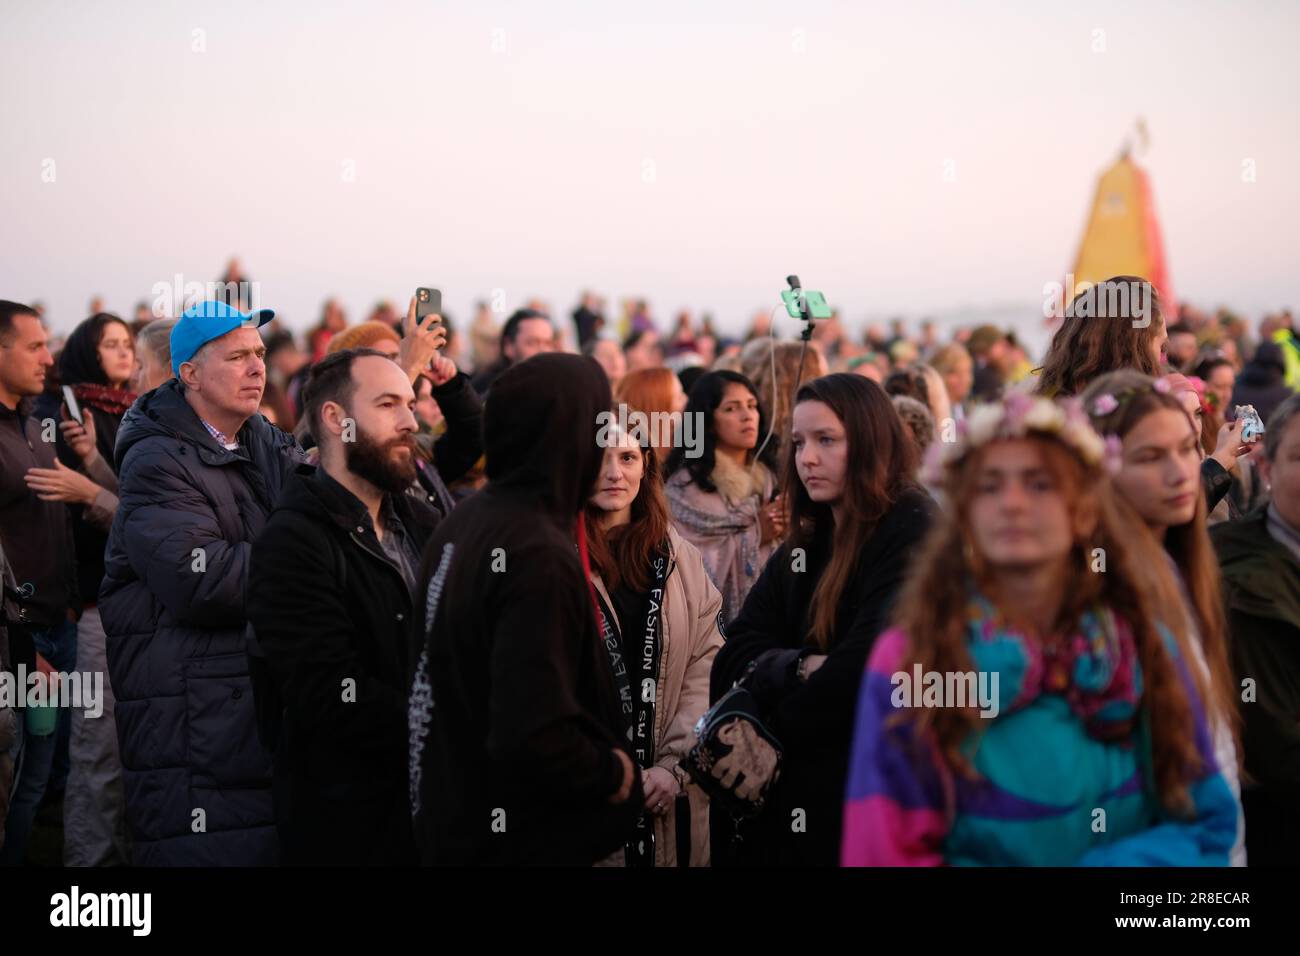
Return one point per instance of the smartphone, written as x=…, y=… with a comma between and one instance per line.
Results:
x=70, y=400
x=427, y=302
x=818, y=308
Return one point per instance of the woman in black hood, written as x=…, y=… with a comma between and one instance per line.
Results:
x=516, y=749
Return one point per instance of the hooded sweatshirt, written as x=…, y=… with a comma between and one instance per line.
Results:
x=514, y=714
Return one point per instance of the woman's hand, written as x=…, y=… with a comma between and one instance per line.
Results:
x=811, y=663
x=772, y=521
x=661, y=789
x=1229, y=446
x=61, y=483
x=81, y=438
x=420, y=341
x=441, y=370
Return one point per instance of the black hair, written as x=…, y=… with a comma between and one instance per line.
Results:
x=704, y=400
x=79, y=360
x=510, y=331
x=7, y=312
x=908, y=382
x=331, y=381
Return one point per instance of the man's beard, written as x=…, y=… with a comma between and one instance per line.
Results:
x=374, y=462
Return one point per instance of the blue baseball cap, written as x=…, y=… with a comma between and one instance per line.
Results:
x=204, y=321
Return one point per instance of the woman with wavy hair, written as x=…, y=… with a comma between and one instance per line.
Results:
x=803, y=636
x=1112, y=325
x=659, y=623
x=1032, y=705
x=1160, y=477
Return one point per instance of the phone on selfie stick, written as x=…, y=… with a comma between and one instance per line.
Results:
x=70, y=400
x=427, y=302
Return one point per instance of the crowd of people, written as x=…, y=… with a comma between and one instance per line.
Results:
x=391, y=594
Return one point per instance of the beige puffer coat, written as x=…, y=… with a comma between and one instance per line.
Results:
x=690, y=641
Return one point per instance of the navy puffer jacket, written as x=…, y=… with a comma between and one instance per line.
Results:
x=172, y=602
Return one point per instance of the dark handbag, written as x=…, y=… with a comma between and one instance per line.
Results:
x=736, y=759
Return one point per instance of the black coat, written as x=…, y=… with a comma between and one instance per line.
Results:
x=1262, y=579
x=514, y=712
x=327, y=607
x=1262, y=382
x=175, y=634
x=813, y=720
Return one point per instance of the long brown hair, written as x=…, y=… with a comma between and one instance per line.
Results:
x=932, y=608
x=1086, y=346
x=623, y=554
x=1188, y=544
x=881, y=463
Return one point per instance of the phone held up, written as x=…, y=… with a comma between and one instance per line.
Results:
x=70, y=400
x=427, y=302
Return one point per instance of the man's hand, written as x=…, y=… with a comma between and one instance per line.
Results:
x=61, y=483
x=81, y=438
x=420, y=341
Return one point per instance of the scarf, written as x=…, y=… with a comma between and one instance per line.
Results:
x=1095, y=668
x=113, y=401
x=634, y=656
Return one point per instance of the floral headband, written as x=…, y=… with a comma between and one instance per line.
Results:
x=1107, y=402
x=1016, y=416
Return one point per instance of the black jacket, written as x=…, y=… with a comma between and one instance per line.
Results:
x=1262, y=579
x=1262, y=381
x=813, y=720
x=328, y=607
x=514, y=713
x=37, y=534
x=174, y=612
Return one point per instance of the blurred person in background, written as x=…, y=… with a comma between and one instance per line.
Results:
x=332, y=321
x=776, y=395
x=988, y=348
x=609, y=356
x=485, y=338
x=526, y=333
x=917, y=421
x=98, y=363
x=658, y=394
x=1091, y=342
x=1180, y=349
x=954, y=364
x=153, y=355
x=588, y=318
x=1262, y=381
x=287, y=367
x=1260, y=558
x=642, y=350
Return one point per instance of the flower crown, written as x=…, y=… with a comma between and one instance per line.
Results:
x=1016, y=416
x=1107, y=402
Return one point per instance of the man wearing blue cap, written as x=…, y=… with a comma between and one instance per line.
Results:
x=199, y=471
